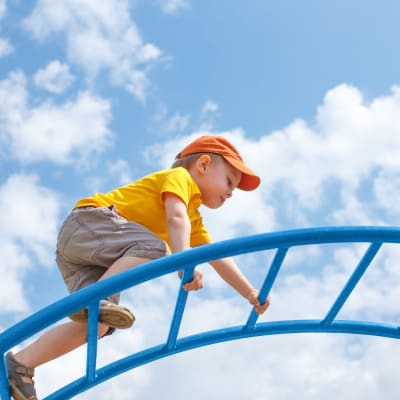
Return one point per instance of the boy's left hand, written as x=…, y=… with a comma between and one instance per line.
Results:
x=253, y=299
x=196, y=283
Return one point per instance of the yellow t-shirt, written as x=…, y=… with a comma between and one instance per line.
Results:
x=142, y=201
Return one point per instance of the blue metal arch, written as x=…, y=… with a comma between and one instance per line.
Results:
x=187, y=260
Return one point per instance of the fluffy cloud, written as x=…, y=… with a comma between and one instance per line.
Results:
x=120, y=171
x=5, y=47
x=177, y=123
x=275, y=367
x=100, y=37
x=55, y=78
x=387, y=189
x=28, y=232
x=66, y=133
x=210, y=106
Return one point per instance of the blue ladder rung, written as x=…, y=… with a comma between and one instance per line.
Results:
x=267, y=285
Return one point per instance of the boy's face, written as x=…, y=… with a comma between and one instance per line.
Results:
x=217, y=181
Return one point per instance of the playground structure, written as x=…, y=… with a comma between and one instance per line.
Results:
x=282, y=242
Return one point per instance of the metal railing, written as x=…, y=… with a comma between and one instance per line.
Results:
x=187, y=260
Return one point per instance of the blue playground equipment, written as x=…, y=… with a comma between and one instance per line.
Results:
x=187, y=260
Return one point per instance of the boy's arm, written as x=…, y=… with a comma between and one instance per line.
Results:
x=230, y=272
x=178, y=223
x=179, y=228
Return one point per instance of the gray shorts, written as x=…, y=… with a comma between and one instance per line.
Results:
x=91, y=239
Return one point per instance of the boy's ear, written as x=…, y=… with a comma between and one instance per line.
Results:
x=203, y=162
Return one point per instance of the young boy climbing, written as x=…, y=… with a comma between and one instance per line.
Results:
x=149, y=218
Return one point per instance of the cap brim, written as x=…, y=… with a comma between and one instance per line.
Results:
x=250, y=180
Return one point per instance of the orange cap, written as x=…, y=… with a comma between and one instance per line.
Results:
x=219, y=145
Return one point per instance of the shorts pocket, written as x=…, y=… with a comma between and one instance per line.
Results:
x=77, y=241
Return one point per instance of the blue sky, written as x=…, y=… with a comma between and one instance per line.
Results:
x=94, y=94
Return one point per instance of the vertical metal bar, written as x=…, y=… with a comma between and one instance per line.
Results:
x=4, y=386
x=179, y=307
x=92, y=339
x=351, y=283
x=267, y=285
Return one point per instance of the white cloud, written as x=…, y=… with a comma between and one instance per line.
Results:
x=28, y=233
x=210, y=107
x=121, y=171
x=13, y=269
x=29, y=205
x=56, y=77
x=66, y=133
x=177, y=123
x=5, y=47
x=115, y=173
x=170, y=123
x=173, y=6
x=209, y=113
x=387, y=189
x=101, y=37
x=316, y=367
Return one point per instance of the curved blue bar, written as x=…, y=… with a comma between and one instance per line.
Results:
x=187, y=260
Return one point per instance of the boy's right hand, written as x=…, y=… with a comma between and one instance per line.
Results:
x=259, y=308
x=196, y=283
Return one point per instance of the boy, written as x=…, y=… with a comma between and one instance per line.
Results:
x=108, y=233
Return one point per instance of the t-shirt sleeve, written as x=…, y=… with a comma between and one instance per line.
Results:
x=177, y=182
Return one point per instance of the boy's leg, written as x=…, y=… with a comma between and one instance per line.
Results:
x=123, y=264
x=54, y=343
x=67, y=337
x=111, y=313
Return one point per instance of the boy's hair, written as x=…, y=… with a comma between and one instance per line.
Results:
x=188, y=161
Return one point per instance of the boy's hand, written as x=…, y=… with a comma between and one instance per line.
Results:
x=196, y=283
x=253, y=299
